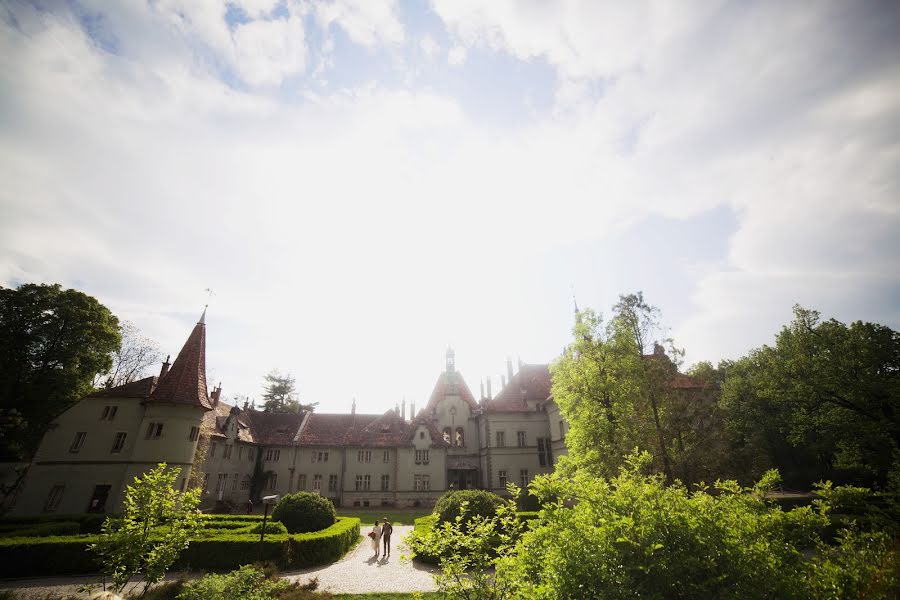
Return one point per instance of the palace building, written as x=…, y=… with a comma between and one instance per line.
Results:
x=94, y=450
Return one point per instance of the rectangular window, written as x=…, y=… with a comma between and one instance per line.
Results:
x=359, y=480
x=194, y=434
x=55, y=497
x=421, y=457
x=545, y=452
x=319, y=456
x=385, y=483
x=562, y=429
x=234, y=482
x=245, y=482
x=417, y=482
x=205, y=481
x=154, y=431
x=520, y=439
x=212, y=449
x=98, y=500
x=251, y=454
x=272, y=483
x=332, y=483
x=523, y=478
x=317, y=483
x=226, y=451
x=273, y=455
x=426, y=482
x=386, y=456
x=118, y=442
x=364, y=456
x=220, y=482
x=109, y=413
x=301, y=481
x=367, y=482
x=503, y=478
x=501, y=439
x=78, y=441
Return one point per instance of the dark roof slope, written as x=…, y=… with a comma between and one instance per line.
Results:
x=185, y=383
x=449, y=384
x=141, y=388
x=533, y=380
x=323, y=429
x=274, y=428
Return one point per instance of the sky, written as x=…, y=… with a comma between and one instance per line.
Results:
x=364, y=183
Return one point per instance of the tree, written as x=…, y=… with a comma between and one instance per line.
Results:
x=823, y=402
x=280, y=395
x=617, y=396
x=132, y=360
x=157, y=524
x=52, y=344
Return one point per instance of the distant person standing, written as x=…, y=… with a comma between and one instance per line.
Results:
x=375, y=534
x=249, y=506
x=386, y=530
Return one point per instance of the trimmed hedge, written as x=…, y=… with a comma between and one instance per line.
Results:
x=70, y=555
x=304, y=512
x=41, y=529
x=480, y=502
x=87, y=522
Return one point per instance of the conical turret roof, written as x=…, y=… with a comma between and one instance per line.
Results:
x=185, y=383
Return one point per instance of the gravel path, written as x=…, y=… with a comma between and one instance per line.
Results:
x=358, y=572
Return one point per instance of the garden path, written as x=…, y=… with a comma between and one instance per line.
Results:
x=357, y=573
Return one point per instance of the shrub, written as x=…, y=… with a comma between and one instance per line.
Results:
x=88, y=523
x=26, y=557
x=480, y=502
x=303, y=512
x=247, y=583
x=41, y=529
x=273, y=527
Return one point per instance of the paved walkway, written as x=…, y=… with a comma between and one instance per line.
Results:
x=358, y=572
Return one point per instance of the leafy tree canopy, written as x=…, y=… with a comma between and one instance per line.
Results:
x=52, y=344
x=280, y=395
x=823, y=402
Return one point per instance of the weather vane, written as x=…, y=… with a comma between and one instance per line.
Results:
x=209, y=294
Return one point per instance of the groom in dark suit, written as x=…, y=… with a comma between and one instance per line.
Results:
x=386, y=531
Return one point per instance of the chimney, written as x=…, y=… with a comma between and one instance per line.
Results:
x=524, y=393
x=246, y=404
x=509, y=371
x=215, y=394
x=403, y=409
x=658, y=350
x=165, y=367
x=489, y=388
x=482, y=389
x=353, y=407
x=412, y=411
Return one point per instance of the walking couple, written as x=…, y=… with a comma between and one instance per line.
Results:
x=379, y=533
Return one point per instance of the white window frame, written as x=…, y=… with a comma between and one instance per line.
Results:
x=78, y=442
x=118, y=445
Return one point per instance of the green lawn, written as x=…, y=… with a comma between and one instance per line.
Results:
x=367, y=516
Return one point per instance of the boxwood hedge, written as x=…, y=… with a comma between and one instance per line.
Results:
x=70, y=555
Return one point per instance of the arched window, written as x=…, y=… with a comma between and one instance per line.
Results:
x=460, y=437
x=447, y=435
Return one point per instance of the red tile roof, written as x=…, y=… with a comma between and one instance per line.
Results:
x=141, y=388
x=448, y=384
x=324, y=429
x=185, y=383
x=534, y=380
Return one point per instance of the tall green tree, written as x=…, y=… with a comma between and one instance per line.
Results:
x=281, y=396
x=52, y=344
x=619, y=389
x=823, y=402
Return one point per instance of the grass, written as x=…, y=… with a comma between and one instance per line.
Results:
x=367, y=516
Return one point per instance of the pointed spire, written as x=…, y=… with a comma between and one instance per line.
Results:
x=202, y=320
x=185, y=382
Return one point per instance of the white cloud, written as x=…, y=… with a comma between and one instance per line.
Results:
x=366, y=23
x=429, y=46
x=457, y=55
x=375, y=222
x=268, y=51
